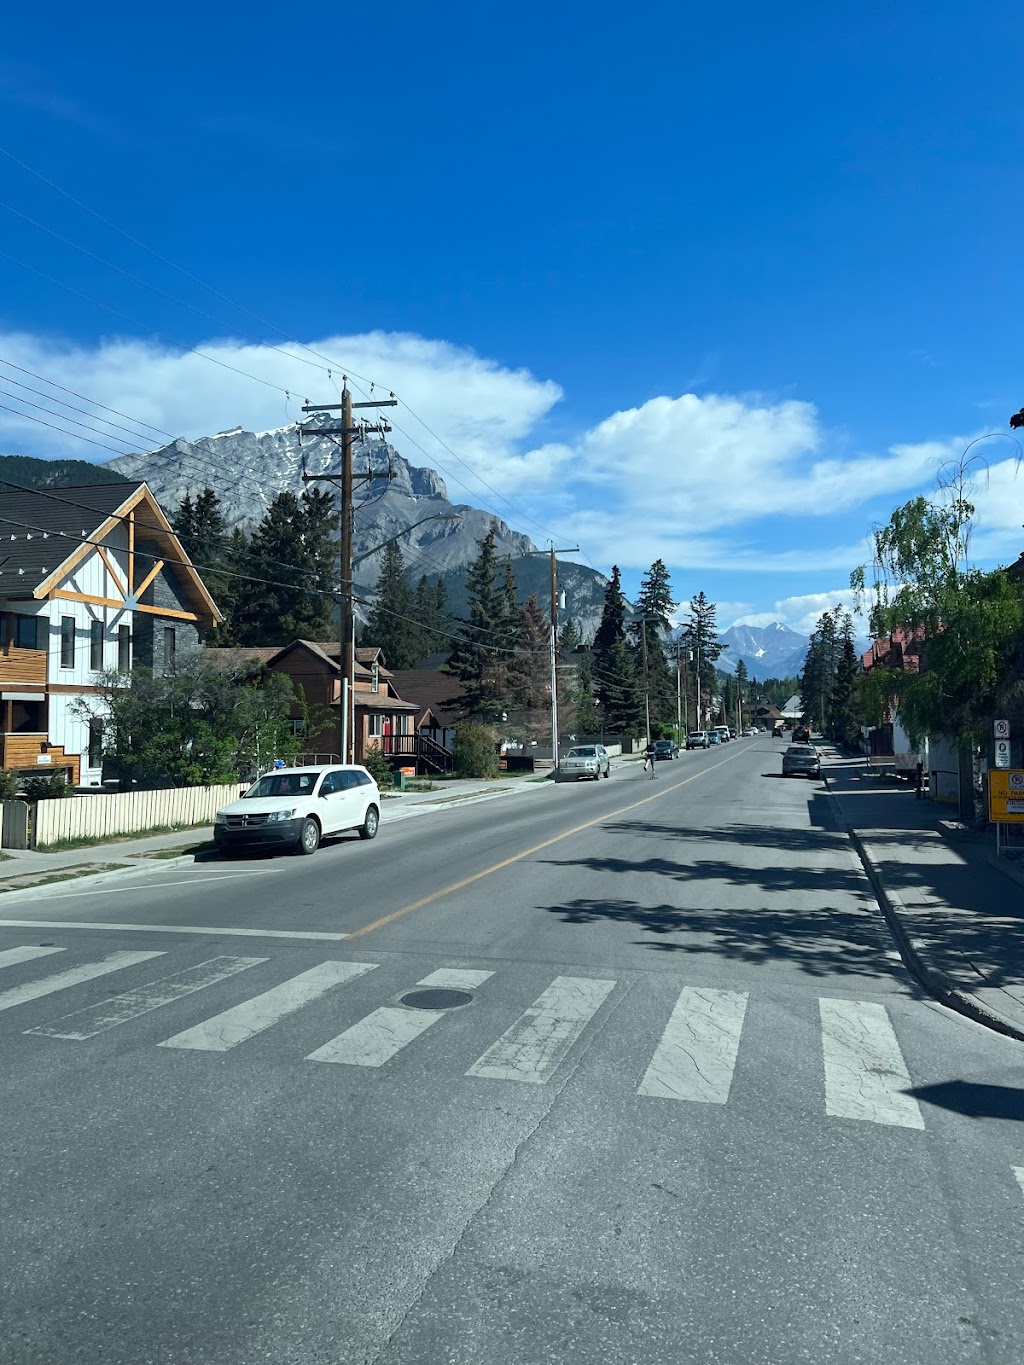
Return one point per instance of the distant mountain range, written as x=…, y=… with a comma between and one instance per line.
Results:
x=772, y=651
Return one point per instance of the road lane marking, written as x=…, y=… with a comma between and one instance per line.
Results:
x=165, y=990
x=536, y=848
x=74, y=976
x=455, y=979
x=377, y=1038
x=244, y=1021
x=153, y=886
x=1019, y=1173
x=220, y=931
x=537, y=1043
x=865, y=1074
x=10, y=957
x=696, y=1055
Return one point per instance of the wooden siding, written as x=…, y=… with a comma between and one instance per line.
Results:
x=21, y=751
x=22, y=665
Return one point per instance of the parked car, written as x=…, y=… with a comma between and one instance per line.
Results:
x=295, y=808
x=723, y=733
x=749, y=730
x=697, y=739
x=801, y=760
x=714, y=737
x=732, y=733
x=585, y=760
x=665, y=748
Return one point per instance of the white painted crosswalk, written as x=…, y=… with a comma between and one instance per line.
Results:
x=858, y=1073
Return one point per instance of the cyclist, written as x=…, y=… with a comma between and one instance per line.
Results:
x=650, y=757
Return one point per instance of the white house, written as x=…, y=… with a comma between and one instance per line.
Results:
x=91, y=579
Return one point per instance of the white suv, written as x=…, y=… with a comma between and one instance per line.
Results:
x=297, y=807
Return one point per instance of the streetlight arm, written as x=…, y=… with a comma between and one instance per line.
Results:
x=437, y=516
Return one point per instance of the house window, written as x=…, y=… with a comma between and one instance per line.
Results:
x=29, y=632
x=95, y=645
x=169, y=649
x=375, y=678
x=95, y=744
x=376, y=725
x=28, y=718
x=297, y=728
x=67, y=642
x=124, y=649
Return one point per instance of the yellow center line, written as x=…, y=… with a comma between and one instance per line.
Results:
x=526, y=853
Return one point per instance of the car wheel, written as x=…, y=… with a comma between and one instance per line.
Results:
x=309, y=837
x=371, y=823
x=607, y=772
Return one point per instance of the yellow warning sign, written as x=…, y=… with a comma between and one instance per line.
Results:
x=1006, y=796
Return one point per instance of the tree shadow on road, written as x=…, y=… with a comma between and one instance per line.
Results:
x=819, y=942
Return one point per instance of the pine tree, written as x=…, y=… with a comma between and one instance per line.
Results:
x=529, y=682
x=588, y=719
x=392, y=623
x=613, y=618
x=480, y=651
x=742, y=687
x=292, y=552
x=568, y=639
x=430, y=607
x=620, y=695
x=701, y=642
x=653, y=610
x=201, y=528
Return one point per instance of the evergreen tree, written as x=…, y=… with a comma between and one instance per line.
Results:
x=568, y=639
x=588, y=719
x=844, y=696
x=742, y=686
x=292, y=552
x=653, y=609
x=620, y=694
x=529, y=681
x=430, y=607
x=480, y=653
x=201, y=528
x=393, y=623
x=613, y=619
x=701, y=642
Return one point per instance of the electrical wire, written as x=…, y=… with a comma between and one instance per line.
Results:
x=39, y=407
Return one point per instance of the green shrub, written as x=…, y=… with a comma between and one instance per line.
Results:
x=476, y=752
x=8, y=784
x=47, y=788
x=377, y=765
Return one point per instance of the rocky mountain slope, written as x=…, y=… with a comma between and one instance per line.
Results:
x=248, y=469
x=772, y=651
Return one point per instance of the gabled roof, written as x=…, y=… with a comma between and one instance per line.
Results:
x=45, y=533
x=432, y=690
x=38, y=532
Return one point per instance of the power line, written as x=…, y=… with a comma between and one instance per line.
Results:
x=86, y=411
x=26, y=416
x=39, y=407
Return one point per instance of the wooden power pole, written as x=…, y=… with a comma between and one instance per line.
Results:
x=347, y=478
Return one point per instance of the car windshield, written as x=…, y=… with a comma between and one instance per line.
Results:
x=696, y=734
x=283, y=784
x=583, y=751
x=800, y=750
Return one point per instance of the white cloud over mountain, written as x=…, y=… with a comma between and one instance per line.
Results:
x=707, y=482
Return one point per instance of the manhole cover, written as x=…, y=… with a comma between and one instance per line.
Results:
x=436, y=1000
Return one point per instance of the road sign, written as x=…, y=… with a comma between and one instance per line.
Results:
x=1002, y=753
x=1001, y=728
x=1006, y=796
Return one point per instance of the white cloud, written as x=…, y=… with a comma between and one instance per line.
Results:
x=483, y=410
x=801, y=613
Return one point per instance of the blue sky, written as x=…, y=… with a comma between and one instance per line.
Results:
x=720, y=284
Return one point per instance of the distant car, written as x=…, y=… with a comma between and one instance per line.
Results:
x=723, y=733
x=665, y=748
x=732, y=733
x=801, y=760
x=801, y=735
x=295, y=808
x=585, y=760
x=748, y=730
x=714, y=737
x=697, y=739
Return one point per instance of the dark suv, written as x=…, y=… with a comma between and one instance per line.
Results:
x=665, y=748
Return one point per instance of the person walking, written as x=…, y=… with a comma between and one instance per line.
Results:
x=650, y=757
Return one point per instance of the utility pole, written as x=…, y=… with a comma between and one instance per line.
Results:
x=554, y=648
x=347, y=656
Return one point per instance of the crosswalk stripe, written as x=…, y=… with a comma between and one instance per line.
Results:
x=865, y=1074
x=10, y=957
x=95, y=1019
x=696, y=1055
x=1019, y=1173
x=244, y=1021
x=536, y=1044
x=377, y=1038
x=455, y=979
x=32, y=990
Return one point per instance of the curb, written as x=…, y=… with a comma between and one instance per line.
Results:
x=1007, y=869
x=111, y=874
x=933, y=982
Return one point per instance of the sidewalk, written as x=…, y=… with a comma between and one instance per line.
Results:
x=958, y=921
x=24, y=868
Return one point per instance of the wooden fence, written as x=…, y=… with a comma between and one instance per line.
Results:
x=93, y=817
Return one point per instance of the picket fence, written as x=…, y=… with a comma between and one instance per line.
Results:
x=92, y=817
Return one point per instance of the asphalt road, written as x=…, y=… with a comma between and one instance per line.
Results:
x=693, y=1110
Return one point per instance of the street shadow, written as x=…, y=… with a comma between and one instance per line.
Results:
x=817, y=942
x=973, y=1100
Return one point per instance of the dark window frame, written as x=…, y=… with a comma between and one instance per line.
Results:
x=96, y=642
x=170, y=648
x=124, y=648
x=67, y=642
x=95, y=743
